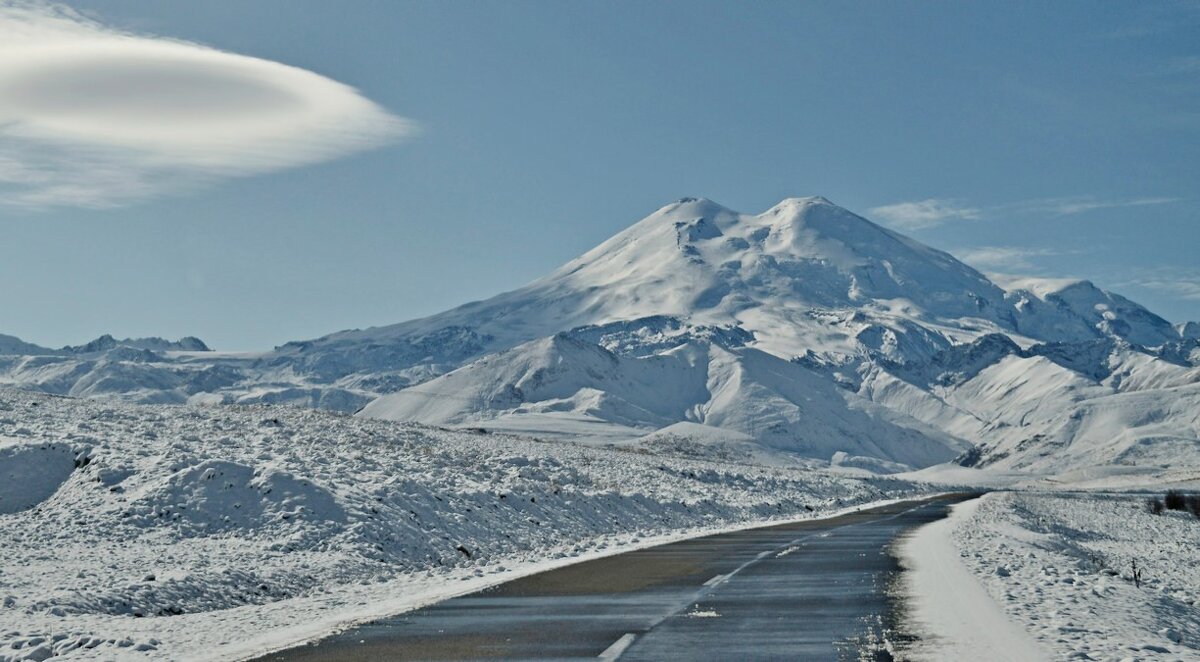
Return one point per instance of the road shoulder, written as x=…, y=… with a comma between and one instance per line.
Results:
x=947, y=606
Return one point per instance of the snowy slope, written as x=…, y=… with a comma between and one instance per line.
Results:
x=780, y=404
x=1054, y=407
x=15, y=346
x=1072, y=310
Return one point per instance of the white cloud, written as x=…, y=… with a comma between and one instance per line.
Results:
x=1004, y=257
x=921, y=214
x=1069, y=206
x=924, y=214
x=1185, y=289
x=1178, y=281
x=91, y=116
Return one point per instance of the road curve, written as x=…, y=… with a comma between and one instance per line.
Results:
x=810, y=591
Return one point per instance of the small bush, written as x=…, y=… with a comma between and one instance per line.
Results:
x=1156, y=505
x=1175, y=500
x=1193, y=505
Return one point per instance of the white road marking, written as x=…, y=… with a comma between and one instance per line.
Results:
x=613, y=652
x=716, y=580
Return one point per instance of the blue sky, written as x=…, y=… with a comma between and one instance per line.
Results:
x=492, y=141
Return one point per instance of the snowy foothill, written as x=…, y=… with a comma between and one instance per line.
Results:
x=136, y=531
x=1029, y=575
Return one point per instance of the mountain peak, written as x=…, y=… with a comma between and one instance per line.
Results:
x=699, y=260
x=809, y=224
x=804, y=201
x=1076, y=309
x=692, y=207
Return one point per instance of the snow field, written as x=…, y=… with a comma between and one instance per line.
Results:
x=219, y=532
x=1062, y=567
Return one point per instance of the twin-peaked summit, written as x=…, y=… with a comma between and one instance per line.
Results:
x=695, y=257
x=804, y=275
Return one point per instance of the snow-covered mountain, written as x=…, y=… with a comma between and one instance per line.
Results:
x=777, y=275
x=805, y=331
x=804, y=275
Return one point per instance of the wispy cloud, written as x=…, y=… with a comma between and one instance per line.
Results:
x=933, y=212
x=1079, y=205
x=995, y=258
x=922, y=214
x=96, y=117
x=1177, y=281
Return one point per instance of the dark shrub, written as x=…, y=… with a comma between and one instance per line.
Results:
x=1193, y=505
x=1175, y=500
x=1156, y=505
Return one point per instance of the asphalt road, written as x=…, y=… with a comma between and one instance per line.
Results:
x=805, y=591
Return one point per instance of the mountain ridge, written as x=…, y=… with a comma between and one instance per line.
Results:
x=915, y=345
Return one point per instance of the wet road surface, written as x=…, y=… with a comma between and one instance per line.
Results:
x=804, y=591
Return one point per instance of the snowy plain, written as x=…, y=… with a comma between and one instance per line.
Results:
x=1037, y=575
x=136, y=531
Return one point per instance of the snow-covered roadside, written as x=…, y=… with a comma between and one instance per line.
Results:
x=947, y=605
x=1060, y=566
x=205, y=533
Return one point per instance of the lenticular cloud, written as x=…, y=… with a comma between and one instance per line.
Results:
x=91, y=116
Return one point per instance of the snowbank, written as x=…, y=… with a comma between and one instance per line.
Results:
x=213, y=533
x=951, y=611
x=1062, y=568
x=31, y=472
